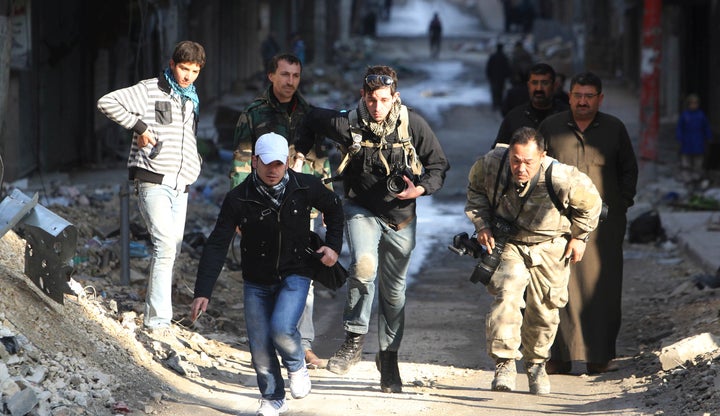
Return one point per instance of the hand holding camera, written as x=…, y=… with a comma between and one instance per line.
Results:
x=396, y=180
x=489, y=258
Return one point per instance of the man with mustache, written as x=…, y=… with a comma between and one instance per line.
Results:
x=599, y=145
x=541, y=87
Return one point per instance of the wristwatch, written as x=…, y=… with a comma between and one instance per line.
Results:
x=585, y=239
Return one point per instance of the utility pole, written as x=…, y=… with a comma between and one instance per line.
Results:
x=650, y=79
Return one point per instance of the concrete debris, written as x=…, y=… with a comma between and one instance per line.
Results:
x=688, y=349
x=31, y=381
x=22, y=402
x=702, y=281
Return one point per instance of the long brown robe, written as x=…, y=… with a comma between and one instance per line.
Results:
x=590, y=322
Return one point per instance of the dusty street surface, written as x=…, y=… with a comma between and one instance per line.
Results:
x=98, y=362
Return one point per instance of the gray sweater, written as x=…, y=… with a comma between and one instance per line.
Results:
x=151, y=104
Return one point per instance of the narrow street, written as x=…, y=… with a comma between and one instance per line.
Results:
x=444, y=364
x=443, y=360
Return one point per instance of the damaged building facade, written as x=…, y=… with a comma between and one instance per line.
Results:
x=67, y=54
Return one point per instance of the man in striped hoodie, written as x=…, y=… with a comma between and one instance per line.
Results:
x=162, y=113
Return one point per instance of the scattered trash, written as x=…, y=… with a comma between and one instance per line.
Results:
x=138, y=250
x=10, y=344
x=702, y=281
x=703, y=203
x=121, y=407
x=646, y=228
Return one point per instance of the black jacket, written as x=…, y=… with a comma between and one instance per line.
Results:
x=365, y=178
x=525, y=115
x=273, y=241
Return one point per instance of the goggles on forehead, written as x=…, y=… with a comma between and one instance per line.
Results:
x=377, y=80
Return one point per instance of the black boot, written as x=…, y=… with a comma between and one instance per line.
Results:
x=348, y=355
x=387, y=364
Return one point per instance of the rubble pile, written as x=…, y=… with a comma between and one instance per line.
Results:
x=692, y=388
x=48, y=384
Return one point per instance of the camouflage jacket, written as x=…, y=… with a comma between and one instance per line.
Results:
x=264, y=115
x=534, y=215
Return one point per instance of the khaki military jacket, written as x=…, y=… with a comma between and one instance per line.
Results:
x=531, y=209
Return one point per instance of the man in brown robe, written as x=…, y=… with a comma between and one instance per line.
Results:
x=597, y=144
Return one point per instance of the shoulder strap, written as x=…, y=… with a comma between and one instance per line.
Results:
x=411, y=157
x=551, y=190
x=356, y=135
x=404, y=129
x=403, y=141
x=497, y=179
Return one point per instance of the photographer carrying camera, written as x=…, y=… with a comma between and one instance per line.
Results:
x=393, y=157
x=508, y=200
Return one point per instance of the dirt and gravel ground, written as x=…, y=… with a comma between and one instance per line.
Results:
x=97, y=361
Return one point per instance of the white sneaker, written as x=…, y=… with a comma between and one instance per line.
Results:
x=299, y=383
x=272, y=407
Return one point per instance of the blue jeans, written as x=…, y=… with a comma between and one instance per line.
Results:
x=164, y=211
x=305, y=325
x=272, y=313
x=377, y=251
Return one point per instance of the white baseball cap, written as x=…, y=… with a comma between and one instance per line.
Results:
x=271, y=147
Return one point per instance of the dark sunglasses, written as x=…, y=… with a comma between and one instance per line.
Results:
x=375, y=80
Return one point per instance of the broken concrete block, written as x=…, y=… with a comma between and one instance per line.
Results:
x=687, y=349
x=22, y=402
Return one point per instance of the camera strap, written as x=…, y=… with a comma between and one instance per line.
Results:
x=404, y=142
x=551, y=190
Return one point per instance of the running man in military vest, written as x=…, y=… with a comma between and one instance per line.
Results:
x=393, y=157
x=539, y=241
x=281, y=109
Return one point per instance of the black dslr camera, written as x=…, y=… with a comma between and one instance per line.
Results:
x=462, y=244
x=395, y=182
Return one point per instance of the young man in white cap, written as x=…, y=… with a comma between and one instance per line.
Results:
x=271, y=202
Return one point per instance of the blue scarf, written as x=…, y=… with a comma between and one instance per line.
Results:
x=185, y=94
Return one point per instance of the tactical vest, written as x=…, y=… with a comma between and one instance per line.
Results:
x=404, y=142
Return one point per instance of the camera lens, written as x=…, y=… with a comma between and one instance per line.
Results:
x=396, y=184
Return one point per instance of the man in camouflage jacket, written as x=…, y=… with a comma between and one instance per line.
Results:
x=280, y=109
x=508, y=183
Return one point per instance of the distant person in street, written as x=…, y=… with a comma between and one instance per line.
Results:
x=599, y=145
x=297, y=45
x=510, y=206
x=560, y=94
x=370, y=24
x=516, y=95
x=526, y=15
x=508, y=15
x=435, y=33
x=393, y=158
x=276, y=278
x=281, y=109
x=387, y=8
x=540, y=89
x=497, y=72
x=268, y=49
x=693, y=133
x=163, y=114
x=521, y=60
